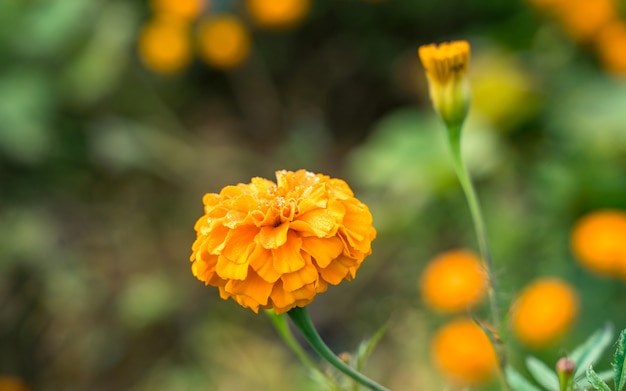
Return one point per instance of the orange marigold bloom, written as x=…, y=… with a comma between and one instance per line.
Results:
x=454, y=281
x=164, y=45
x=223, y=41
x=276, y=245
x=583, y=19
x=544, y=311
x=599, y=242
x=610, y=45
x=278, y=14
x=188, y=9
x=463, y=353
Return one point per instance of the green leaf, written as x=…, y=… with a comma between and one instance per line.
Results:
x=619, y=364
x=596, y=381
x=366, y=348
x=542, y=373
x=587, y=353
x=583, y=383
x=517, y=381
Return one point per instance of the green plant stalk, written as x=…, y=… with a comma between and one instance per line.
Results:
x=281, y=326
x=302, y=320
x=454, y=138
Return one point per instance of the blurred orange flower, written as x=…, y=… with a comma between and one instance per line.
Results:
x=611, y=47
x=453, y=281
x=223, y=41
x=599, y=242
x=463, y=353
x=164, y=45
x=583, y=19
x=12, y=383
x=544, y=311
x=277, y=14
x=188, y=9
x=276, y=245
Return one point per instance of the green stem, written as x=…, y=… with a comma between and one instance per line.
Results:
x=302, y=320
x=454, y=137
x=282, y=327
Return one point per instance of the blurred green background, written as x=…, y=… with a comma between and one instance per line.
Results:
x=103, y=163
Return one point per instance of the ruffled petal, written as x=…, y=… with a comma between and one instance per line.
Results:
x=323, y=251
x=296, y=280
x=262, y=261
x=320, y=222
x=253, y=287
x=273, y=237
x=240, y=243
x=229, y=270
x=287, y=258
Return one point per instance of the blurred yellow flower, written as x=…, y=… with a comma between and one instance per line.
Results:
x=188, y=9
x=463, y=353
x=164, y=45
x=453, y=281
x=223, y=41
x=599, y=242
x=543, y=312
x=610, y=45
x=276, y=245
x=446, y=68
x=277, y=14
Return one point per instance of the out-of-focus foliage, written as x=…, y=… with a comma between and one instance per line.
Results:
x=104, y=158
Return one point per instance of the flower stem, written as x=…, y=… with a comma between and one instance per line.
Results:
x=302, y=320
x=454, y=137
x=281, y=326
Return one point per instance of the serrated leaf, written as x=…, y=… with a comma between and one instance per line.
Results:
x=589, y=352
x=619, y=364
x=542, y=373
x=517, y=381
x=584, y=384
x=366, y=348
x=596, y=381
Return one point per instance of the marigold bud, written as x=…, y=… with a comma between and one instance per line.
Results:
x=446, y=69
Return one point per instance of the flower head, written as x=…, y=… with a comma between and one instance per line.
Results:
x=446, y=69
x=599, y=242
x=223, y=41
x=277, y=14
x=276, y=245
x=454, y=281
x=463, y=352
x=544, y=311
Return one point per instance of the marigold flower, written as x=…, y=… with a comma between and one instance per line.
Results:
x=277, y=14
x=446, y=69
x=164, y=45
x=463, y=353
x=583, y=19
x=224, y=42
x=454, y=281
x=276, y=245
x=598, y=242
x=544, y=311
x=610, y=43
x=187, y=9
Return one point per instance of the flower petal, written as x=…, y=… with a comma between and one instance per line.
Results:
x=229, y=270
x=322, y=250
x=273, y=237
x=253, y=287
x=296, y=280
x=262, y=262
x=288, y=258
x=240, y=243
x=320, y=222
